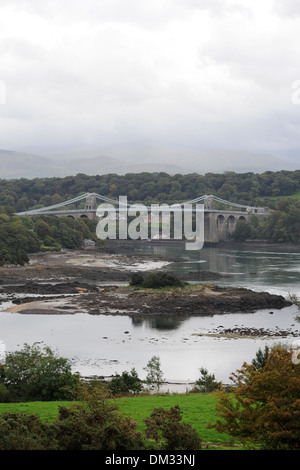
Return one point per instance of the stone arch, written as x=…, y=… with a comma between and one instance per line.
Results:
x=71, y=217
x=242, y=218
x=231, y=224
x=83, y=216
x=222, y=227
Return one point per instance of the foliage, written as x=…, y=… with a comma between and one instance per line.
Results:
x=126, y=383
x=264, y=410
x=206, y=383
x=296, y=302
x=154, y=376
x=246, y=188
x=242, y=231
x=97, y=427
x=19, y=431
x=137, y=279
x=283, y=225
x=156, y=280
x=198, y=410
x=20, y=236
x=35, y=374
x=16, y=241
x=91, y=425
x=165, y=427
x=261, y=358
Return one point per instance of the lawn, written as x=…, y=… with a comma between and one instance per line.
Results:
x=198, y=410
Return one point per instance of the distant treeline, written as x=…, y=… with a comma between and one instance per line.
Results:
x=244, y=188
x=20, y=236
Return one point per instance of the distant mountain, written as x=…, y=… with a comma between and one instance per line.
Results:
x=27, y=165
x=179, y=160
x=135, y=158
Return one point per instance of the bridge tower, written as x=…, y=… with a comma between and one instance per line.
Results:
x=209, y=203
x=210, y=225
x=91, y=203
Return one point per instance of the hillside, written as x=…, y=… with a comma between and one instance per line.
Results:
x=135, y=158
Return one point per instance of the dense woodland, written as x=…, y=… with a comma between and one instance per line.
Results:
x=20, y=236
x=245, y=188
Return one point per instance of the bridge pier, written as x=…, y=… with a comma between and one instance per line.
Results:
x=219, y=226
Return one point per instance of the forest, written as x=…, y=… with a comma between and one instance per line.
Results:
x=19, y=236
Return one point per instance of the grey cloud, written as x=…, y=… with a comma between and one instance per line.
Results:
x=215, y=7
x=105, y=75
x=290, y=8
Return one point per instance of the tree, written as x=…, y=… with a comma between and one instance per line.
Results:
x=154, y=373
x=36, y=374
x=264, y=409
x=261, y=358
x=127, y=382
x=206, y=383
x=242, y=231
x=295, y=300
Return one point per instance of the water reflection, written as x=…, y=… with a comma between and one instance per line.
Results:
x=161, y=322
x=104, y=345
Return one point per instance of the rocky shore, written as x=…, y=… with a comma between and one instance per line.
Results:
x=75, y=282
x=200, y=300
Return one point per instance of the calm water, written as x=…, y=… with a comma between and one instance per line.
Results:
x=104, y=345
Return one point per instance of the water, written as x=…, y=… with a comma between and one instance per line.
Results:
x=104, y=345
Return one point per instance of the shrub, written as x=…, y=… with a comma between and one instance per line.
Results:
x=165, y=427
x=137, y=279
x=19, y=431
x=156, y=280
x=100, y=427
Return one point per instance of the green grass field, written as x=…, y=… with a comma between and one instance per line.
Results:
x=198, y=410
x=292, y=196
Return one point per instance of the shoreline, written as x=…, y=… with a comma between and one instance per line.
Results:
x=96, y=282
x=63, y=285
x=193, y=300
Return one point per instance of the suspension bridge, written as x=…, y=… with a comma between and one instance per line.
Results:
x=220, y=216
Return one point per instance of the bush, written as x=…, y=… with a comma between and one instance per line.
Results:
x=78, y=428
x=165, y=428
x=156, y=280
x=19, y=431
x=137, y=279
x=100, y=427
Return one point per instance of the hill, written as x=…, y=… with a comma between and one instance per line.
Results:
x=135, y=158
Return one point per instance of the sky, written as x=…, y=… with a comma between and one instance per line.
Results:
x=202, y=74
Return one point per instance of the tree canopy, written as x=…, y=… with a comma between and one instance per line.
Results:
x=264, y=408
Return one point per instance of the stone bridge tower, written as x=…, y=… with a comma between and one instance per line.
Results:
x=91, y=203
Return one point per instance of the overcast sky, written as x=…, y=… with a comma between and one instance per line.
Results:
x=199, y=73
